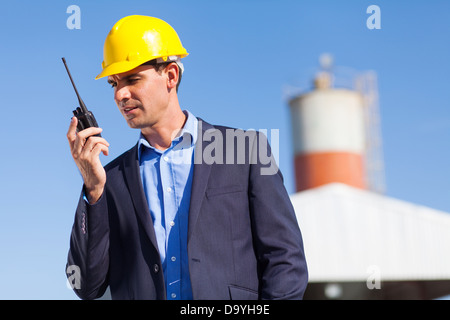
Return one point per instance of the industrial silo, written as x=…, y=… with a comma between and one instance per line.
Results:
x=333, y=133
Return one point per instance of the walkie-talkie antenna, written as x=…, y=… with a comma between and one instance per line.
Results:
x=85, y=117
x=82, y=105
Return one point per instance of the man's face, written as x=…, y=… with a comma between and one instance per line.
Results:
x=141, y=95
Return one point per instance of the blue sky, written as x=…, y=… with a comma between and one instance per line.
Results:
x=242, y=55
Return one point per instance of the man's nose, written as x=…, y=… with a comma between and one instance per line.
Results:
x=122, y=93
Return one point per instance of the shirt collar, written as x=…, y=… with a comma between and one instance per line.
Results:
x=189, y=131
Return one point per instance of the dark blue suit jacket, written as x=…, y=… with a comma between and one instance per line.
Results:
x=243, y=238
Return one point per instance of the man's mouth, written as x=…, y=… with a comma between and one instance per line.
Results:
x=129, y=109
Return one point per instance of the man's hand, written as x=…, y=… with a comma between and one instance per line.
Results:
x=85, y=149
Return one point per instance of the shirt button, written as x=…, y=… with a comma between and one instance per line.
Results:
x=173, y=259
x=155, y=268
x=173, y=295
x=172, y=223
x=166, y=158
x=169, y=189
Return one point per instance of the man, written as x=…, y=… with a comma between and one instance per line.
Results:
x=191, y=211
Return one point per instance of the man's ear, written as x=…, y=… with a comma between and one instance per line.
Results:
x=173, y=74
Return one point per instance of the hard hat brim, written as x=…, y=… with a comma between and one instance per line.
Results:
x=118, y=67
x=125, y=66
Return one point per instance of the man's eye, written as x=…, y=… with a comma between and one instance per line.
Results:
x=133, y=80
x=113, y=84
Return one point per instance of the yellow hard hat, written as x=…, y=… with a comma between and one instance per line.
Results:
x=134, y=40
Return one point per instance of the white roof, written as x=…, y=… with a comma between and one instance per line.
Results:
x=350, y=234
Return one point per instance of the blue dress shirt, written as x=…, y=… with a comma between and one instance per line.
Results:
x=167, y=181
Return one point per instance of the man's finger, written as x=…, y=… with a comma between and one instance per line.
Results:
x=100, y=148
x=93, y=141
x=71, y=133
x=91, y=131
x=90, y=149
x=82, y=138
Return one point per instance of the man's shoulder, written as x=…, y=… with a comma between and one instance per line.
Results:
x=226, y=129
x=118, y=161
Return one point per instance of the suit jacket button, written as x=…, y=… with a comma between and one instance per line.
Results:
x=155, y=268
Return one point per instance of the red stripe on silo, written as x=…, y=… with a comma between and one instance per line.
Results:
x=317, y=169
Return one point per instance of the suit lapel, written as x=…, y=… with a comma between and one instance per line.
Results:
x=200, y=177
x=134, y=183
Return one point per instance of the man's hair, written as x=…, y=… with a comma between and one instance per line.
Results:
x=160, y=66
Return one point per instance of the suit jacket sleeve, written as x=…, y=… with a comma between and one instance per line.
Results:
x=88, y=259
x=277, y=238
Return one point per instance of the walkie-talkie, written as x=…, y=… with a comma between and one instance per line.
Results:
x=85, y=117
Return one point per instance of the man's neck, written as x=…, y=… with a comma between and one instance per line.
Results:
x=161, y=135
